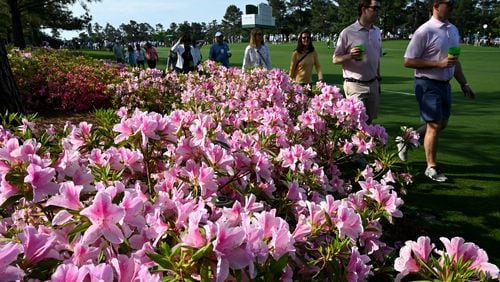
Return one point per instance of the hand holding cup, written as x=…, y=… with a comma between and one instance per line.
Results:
x=358, y=51
x=454, y=52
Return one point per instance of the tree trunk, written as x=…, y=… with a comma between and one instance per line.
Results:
x=10, y=99
x=17, y=26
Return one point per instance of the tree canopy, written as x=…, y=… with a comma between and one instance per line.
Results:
x=20, y=17
x=30, y=16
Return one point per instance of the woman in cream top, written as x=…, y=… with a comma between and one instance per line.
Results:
x=257, y=53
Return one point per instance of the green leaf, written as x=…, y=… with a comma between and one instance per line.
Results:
x=78, y=229
x=11, y=201
x=280, y=264
x=164, y=249
x=205, y=272
x=163, y=261
x=201, y=252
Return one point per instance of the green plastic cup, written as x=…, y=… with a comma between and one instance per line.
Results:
x=454, y=52
x=362, y=48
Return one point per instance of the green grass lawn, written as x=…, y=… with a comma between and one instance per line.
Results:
x=469, y=149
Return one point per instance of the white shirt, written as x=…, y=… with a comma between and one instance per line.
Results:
x=257, y=57
x=179, y=49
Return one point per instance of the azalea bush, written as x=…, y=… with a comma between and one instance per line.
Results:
x=148, y=89
x=245, y=178
x=51, y=80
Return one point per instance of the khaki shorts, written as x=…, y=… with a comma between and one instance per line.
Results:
x=368, y=93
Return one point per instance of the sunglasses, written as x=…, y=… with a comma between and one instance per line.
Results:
x=375, y=8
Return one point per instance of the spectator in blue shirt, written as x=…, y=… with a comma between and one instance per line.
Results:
x=219, y=52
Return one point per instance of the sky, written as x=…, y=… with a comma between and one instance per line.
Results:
x=153, y=12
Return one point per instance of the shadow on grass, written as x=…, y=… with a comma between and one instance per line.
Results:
x=467, y=209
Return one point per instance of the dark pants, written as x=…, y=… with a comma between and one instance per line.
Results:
x=151, y=64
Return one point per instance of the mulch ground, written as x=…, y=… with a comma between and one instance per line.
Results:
x=59, y=119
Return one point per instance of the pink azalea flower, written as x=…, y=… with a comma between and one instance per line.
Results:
x=68, y=273
x=251, y=205
x=389, y=177
x=83, y=254
x=61, y=217
x=422, y=248
x=37, y=246
x=40, y=179
x=387, y=199
x=194, y=237
x=370, y=238
x=9, y=150
x=348, y=222
x=134, y=213
x=199, y=131
x=295, y=193
x=68, y=197
x=6, y=190
x=125, y=267
x=219, y=157
x=100, y=272
x=229, y=250
x=125, y=130
x=104, y=216
x=302, y=230
x=27, y=125
x=358, y=269
x=8, y=254
x=282, y=241
x=457, y=248
x=481, y=262
x=145, y=276
x=405, y=263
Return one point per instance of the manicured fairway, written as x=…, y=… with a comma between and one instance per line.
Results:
x=469, y=150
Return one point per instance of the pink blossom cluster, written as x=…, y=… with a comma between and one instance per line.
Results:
x=245, y=178
x=51, y=80
x=459, y=261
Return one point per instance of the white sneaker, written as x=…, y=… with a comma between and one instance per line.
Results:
x=435, y=174
x=402, y=149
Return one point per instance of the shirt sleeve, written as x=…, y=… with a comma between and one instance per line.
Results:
x=341, y=44
x=268, y=58
x=211, y=54
x=318, y=66
x=416, y=46
x=246, y=58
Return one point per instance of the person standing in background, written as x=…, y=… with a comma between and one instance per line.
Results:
x=257, y=53
x=358, y=50
x=131, y=60
x=429, y=53
x=304, y=58
x=118, y=52
x=151, y=55
x=139, y=55
x=219, y=52
x=187, y=57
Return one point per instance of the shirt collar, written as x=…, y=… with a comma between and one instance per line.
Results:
x=439, y=24
x=359, y=26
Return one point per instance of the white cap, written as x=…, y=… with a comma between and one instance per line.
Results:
x=218, y=33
